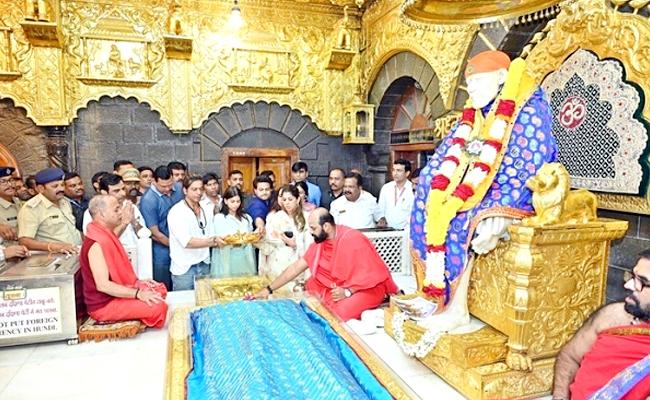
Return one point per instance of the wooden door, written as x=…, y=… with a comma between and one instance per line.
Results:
x=253, y=161
x=281, y=167
x=418, y=153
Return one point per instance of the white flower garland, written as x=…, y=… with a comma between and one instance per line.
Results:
x=420, y=349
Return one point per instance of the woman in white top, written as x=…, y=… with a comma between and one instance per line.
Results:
x=287, y=235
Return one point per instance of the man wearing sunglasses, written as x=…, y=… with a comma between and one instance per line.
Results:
x=610, y=353
x=190, y=236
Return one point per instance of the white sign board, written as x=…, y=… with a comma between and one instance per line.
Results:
x=29, y=312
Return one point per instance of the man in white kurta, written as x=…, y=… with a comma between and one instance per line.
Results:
x=189, y=236
x=132, y=220
x=396, y=197
x=354, y=210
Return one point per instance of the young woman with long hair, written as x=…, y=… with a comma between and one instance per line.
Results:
x=232, y=259
x=303, y=189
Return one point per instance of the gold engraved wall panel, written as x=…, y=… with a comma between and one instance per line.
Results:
x=114, y=49
x=597, y=27
x=385, y=35
x=281, y=54
x=22, y=89
x=50, y=100
x=180, y=96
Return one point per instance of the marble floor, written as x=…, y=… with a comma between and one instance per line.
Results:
x=131, y=369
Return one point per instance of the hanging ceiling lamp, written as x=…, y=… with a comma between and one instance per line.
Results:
x=456, y=14
x=236, y=20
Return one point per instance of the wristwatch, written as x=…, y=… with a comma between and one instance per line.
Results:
x=347, y=292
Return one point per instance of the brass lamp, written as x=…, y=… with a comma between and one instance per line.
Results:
x=358, y=123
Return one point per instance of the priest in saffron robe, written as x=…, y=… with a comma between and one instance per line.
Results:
x=112, y=291
x=609, y=356
x=346, y=271
x=476, y=179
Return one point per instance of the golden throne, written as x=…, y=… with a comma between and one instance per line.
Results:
x=533, y=292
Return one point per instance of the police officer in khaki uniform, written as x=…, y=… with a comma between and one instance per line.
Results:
x=9, y=207
x=46, y=222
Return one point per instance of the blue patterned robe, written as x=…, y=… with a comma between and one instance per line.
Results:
x=530, y=146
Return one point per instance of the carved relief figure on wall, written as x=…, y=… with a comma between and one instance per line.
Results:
x=265, y=71
x=115, y=64
x=475, y=183
x=343, y=35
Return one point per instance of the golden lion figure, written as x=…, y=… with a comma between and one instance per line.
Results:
x=555, y=203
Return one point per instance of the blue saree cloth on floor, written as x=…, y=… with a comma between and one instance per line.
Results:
x=273, y=350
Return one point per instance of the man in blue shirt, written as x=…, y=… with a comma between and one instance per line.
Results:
x=74, y=191
x=154, y=206
x=300, y=172
x=261, y=203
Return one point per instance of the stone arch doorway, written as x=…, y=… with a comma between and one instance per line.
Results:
x=402, y=73
x=25, y=143
x=257, y=129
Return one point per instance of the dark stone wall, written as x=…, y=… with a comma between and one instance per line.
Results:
x=118, y=128
x=623, y=253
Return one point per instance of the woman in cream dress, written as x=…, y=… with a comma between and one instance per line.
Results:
x=287, y=235
x=232, y=260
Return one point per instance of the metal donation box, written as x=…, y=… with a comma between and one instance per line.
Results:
x=37, y=300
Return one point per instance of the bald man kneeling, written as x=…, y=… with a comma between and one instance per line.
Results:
x=346, y=271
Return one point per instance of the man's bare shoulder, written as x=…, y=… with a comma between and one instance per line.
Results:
x=94, y=251
x=608, y=316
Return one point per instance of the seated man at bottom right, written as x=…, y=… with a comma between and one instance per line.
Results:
x=609, y=356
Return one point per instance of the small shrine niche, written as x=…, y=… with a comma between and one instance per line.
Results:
x=38, y=10
x=39, y=24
